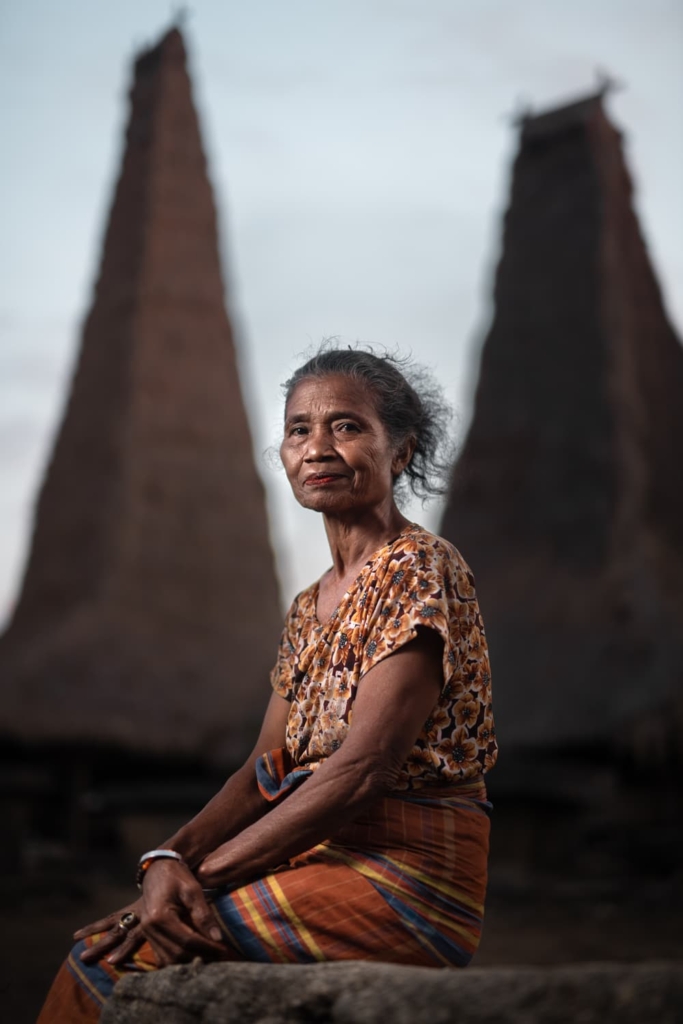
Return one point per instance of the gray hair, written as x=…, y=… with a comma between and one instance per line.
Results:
x=408, y=401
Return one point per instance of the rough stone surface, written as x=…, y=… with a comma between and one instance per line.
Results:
x=149, y=611
x=563, y=499
x=359, y=993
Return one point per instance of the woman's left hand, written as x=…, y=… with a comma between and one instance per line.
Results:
x=117, y=940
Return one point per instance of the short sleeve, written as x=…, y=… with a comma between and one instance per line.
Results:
x=424, y=586
x=282, y=673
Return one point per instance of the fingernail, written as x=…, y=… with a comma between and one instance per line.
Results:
x=110, y=959
x=215, y=934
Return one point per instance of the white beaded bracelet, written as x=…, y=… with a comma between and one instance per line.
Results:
x=149, y=857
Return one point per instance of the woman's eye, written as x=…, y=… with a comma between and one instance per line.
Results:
x=298, y=431
x=347, y=428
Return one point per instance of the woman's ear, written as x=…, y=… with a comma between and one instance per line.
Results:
x=402, y=457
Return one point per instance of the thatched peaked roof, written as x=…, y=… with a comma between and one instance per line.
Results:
x=149, y=613
x=567, y=498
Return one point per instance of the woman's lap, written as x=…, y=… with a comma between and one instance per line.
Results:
x=303, y=914
x=312, y=912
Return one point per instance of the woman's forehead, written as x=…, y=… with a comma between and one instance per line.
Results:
x=335, y=391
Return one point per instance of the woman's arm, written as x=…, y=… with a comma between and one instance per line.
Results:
x=392, y=704
x=173, y=912
x=238, y=803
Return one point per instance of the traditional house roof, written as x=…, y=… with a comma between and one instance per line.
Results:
x=567, y=498
x=149, y=614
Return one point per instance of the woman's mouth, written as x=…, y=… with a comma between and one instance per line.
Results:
x=322, y=479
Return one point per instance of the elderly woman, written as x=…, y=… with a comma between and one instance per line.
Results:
x=358, y=827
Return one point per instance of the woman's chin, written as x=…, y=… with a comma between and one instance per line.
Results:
x=326, y=501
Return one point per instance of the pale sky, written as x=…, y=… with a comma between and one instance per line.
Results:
x=360, y=152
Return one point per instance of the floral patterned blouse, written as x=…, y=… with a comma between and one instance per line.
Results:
x=417, y=579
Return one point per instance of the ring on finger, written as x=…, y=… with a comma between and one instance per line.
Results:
x=127, y=921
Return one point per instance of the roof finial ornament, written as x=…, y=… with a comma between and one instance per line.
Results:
x=606, y=82
x=521, y=112
x=180, y=14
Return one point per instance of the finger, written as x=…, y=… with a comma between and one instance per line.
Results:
x=206, y=949
x=109, y=941
x=177, y=953
x=132, y=942
x=163, y=958
x=202, y=917
x=179, y=943
x=102, y=925
x=164, y=951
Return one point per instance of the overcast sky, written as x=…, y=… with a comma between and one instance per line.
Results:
x=360, y=152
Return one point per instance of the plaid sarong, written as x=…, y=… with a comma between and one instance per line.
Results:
x=403, y=883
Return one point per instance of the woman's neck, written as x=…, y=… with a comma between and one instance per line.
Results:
x=353, y=541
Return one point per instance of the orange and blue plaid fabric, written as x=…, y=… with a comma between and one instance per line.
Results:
x=403, y=883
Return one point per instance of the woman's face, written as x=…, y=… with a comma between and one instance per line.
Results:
x=336, y=451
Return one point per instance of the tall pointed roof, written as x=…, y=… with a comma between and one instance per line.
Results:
x=149, y=611
x=565, y=499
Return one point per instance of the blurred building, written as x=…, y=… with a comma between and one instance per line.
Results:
x=149, y=612
x=568, y=496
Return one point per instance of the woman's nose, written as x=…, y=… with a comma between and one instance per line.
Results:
x=319, y=445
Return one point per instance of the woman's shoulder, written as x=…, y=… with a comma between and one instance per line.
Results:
x=420, y=547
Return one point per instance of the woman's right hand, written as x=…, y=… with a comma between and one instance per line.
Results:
x=176, y=919
x=123, y=941
x=172, y=914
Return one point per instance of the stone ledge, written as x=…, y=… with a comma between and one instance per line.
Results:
x=353, y=992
